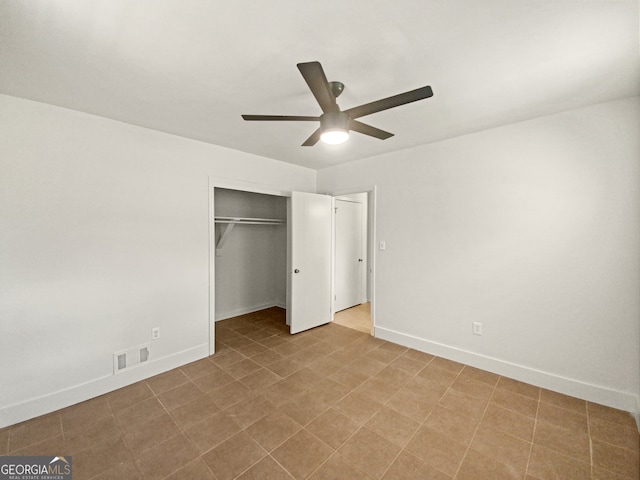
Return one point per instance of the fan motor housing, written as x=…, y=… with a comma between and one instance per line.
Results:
x=334, y=121
x=336, y=88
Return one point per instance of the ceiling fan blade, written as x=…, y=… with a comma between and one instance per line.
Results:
x=360, y=127
x=293, y=118
x=316, y=79
x=313, y=139
x=390, y=102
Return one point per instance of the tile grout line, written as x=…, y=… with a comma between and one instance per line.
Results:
x=335, y=450
x=353, y=390
x=182, y=432
x=276, y=460
x=484, y=412
x=368, y=419
x=431, y=412
x=9, y=439
x=421, y=424
x=533, y=434
x=62, y=430
x=591, y=466
x=250, y=466
x=304, y=427
x=267, y=453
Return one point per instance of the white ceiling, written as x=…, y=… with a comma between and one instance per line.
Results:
x=192, y=67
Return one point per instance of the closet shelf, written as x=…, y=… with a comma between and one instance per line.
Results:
x=250, y=221
x=230, y=222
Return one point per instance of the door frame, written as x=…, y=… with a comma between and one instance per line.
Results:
x=371, y=191
x=219, y=182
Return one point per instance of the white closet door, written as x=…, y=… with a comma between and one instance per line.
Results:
x=349, y=261
x=310, y=230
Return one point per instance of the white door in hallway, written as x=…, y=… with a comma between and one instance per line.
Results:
x=310, y=230
x=348, y=254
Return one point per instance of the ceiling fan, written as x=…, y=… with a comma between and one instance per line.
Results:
x=335, y=123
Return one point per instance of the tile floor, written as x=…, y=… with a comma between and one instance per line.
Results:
x=358, y=317
x=331, y=403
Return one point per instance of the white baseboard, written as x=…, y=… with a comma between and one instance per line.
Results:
x=593, y=393
x=35, y=407
x=245, y=310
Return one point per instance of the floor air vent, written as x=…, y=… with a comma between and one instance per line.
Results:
x=132, y=357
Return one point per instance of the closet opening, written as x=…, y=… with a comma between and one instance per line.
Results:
x=250, y=255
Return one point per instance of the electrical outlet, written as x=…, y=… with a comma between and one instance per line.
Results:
x=477, y=328
x=155, y=333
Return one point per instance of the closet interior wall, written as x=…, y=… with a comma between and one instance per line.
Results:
x=251, y=266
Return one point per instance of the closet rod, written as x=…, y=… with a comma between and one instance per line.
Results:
x=230, y=222
x=250, y=220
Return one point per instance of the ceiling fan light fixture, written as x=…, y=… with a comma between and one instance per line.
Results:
x=335, y=128
x=334, y=137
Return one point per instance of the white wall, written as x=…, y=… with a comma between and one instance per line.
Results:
x=531, y=229
x=104, y=235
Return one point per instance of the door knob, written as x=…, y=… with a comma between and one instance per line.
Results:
x=360, y=260
x=296, y=271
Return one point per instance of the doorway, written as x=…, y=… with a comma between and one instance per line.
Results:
x=356, y=318
x=353, y=259
x=349, y=252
